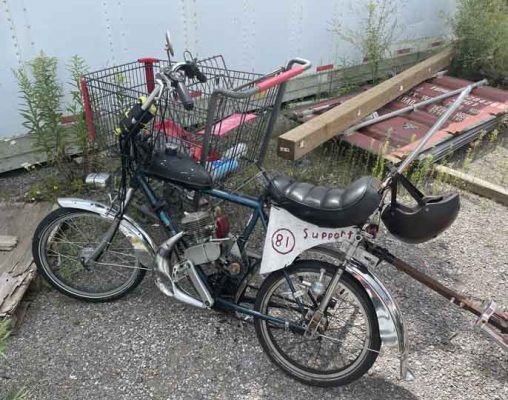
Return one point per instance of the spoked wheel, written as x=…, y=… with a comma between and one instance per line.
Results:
x=347, y=341
x=68, y=236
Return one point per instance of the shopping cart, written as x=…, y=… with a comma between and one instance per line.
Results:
x=228, y=128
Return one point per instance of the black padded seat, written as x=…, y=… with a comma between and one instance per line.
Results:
x=179, y=169
x=327, y=207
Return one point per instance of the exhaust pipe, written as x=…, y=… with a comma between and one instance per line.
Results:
x=165, y=282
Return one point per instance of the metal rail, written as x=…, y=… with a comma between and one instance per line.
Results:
x=412, y=107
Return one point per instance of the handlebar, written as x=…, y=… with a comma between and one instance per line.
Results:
x=285, y=76
x=268, y=81
x=184, y=95
x=191, y=70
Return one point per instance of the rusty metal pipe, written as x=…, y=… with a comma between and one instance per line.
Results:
x=499, y=319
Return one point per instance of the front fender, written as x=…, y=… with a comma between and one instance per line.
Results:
x=144, y=247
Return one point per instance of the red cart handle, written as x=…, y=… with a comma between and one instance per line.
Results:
x=285, y=76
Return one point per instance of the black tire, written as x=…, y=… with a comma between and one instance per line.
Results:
x=291, y=367
x=39, y=251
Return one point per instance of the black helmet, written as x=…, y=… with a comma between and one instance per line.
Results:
x=426, y=220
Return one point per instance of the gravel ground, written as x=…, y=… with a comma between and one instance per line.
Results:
x=149, y=346
x=489, y=162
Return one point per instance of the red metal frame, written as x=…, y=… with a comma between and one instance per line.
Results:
x=88, y=109
x=277, y=80
x=148, y=62
x=325, y=67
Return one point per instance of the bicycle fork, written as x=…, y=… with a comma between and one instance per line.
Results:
x=106, y=239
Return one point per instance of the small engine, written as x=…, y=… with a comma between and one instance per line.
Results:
x=199, y=225
x=219, y=259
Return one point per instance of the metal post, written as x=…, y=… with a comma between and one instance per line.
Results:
x=271, y=123
x=149, y=75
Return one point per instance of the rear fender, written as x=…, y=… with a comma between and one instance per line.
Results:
x=389, y=317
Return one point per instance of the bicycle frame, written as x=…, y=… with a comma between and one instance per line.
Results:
x=256, y=204
x=389, y=316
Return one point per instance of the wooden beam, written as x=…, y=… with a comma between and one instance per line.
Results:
x=306, y=137
x=474, y=184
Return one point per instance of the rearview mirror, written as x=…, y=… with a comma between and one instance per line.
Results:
x=169, y=45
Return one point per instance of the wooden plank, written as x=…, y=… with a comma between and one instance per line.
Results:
x=7, y=242
x=474, y=184
x=16, y=266
x=12, y=290
x=306, y=137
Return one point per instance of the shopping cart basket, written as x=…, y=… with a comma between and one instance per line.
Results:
x=228, y=128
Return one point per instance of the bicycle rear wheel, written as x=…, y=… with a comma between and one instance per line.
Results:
x=67, y=236
x=347, y=342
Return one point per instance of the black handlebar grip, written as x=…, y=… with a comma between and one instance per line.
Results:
x=184, y=95
x=201, y=77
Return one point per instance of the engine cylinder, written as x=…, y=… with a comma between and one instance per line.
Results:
x=199, y=225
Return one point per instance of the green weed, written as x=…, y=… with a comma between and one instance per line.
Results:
x=375, y=33
x=480, y=28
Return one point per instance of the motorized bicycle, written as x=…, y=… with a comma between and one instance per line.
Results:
x=322, y=322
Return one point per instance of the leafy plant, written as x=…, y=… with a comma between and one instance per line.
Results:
x=41, y=109
x=375, y=33
x=480, y=28
x=42, y=94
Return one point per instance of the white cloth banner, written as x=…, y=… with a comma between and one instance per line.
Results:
x=287, y=237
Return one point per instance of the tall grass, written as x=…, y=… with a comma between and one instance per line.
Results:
x=337, y=163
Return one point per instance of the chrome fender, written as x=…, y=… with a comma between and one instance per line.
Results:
x=390, y=320
x=144, y=247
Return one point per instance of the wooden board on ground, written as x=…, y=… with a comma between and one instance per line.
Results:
x=8, y=242
x=17, y=268
x=474, y=184
x=306, y=137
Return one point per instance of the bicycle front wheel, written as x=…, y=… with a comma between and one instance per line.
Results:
x=68, y=236
x=345, y=344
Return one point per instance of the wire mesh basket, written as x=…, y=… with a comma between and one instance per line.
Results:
x=226, y=131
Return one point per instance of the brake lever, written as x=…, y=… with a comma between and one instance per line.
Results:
x=192, y=70
x=199, y=75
